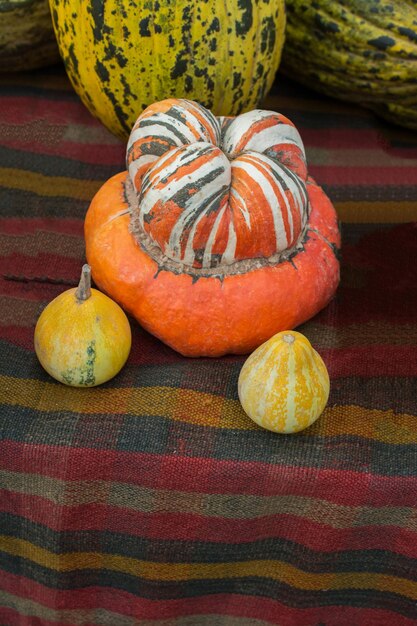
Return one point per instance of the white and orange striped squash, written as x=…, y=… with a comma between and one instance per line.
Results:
x=216, y=238
x=215, y=191
x=284, y=385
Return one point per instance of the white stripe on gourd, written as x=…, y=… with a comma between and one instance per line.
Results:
x=153, y=192
x=294, y=184
x=163, y=124
x=206, y=262
x=256, y=375
x=154, y=189
x=191, y=210
x=146, y=159
x=242, y=206
x=270, y=167
x=281, y=133
x=291, y=180
x=270, y=198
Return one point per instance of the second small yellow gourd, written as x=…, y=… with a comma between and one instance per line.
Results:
x=284, y=384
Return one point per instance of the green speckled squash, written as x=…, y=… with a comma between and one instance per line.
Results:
x=358, y=50
x=123, y=56
x=27, y=39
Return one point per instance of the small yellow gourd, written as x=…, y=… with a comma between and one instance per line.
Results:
x=82, y=337
x=284, y=384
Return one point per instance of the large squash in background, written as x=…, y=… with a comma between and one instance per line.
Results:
x=122, y=56
x=358, y=50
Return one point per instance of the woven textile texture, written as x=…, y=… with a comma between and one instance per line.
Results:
x=153, y=500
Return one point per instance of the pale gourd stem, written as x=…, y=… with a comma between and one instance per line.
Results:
x=84, y=287
x=289, y=338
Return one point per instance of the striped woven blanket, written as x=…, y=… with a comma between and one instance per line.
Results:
x=153, y=500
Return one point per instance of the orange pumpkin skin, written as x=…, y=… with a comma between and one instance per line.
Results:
x=209, y=316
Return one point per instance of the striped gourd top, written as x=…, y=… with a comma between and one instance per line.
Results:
x=213, y=191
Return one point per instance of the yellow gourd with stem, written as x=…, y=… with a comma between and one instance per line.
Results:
x=82, y=338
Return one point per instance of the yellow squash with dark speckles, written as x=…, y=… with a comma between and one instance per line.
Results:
x=123, y=56
x=358, y=50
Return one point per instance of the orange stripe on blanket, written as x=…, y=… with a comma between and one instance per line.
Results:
x=160, y=571
x=49, y=185
x=194, y=407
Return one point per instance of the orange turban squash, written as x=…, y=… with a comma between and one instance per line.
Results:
x=215, y=238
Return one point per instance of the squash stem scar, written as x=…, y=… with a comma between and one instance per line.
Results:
x=84, y=287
